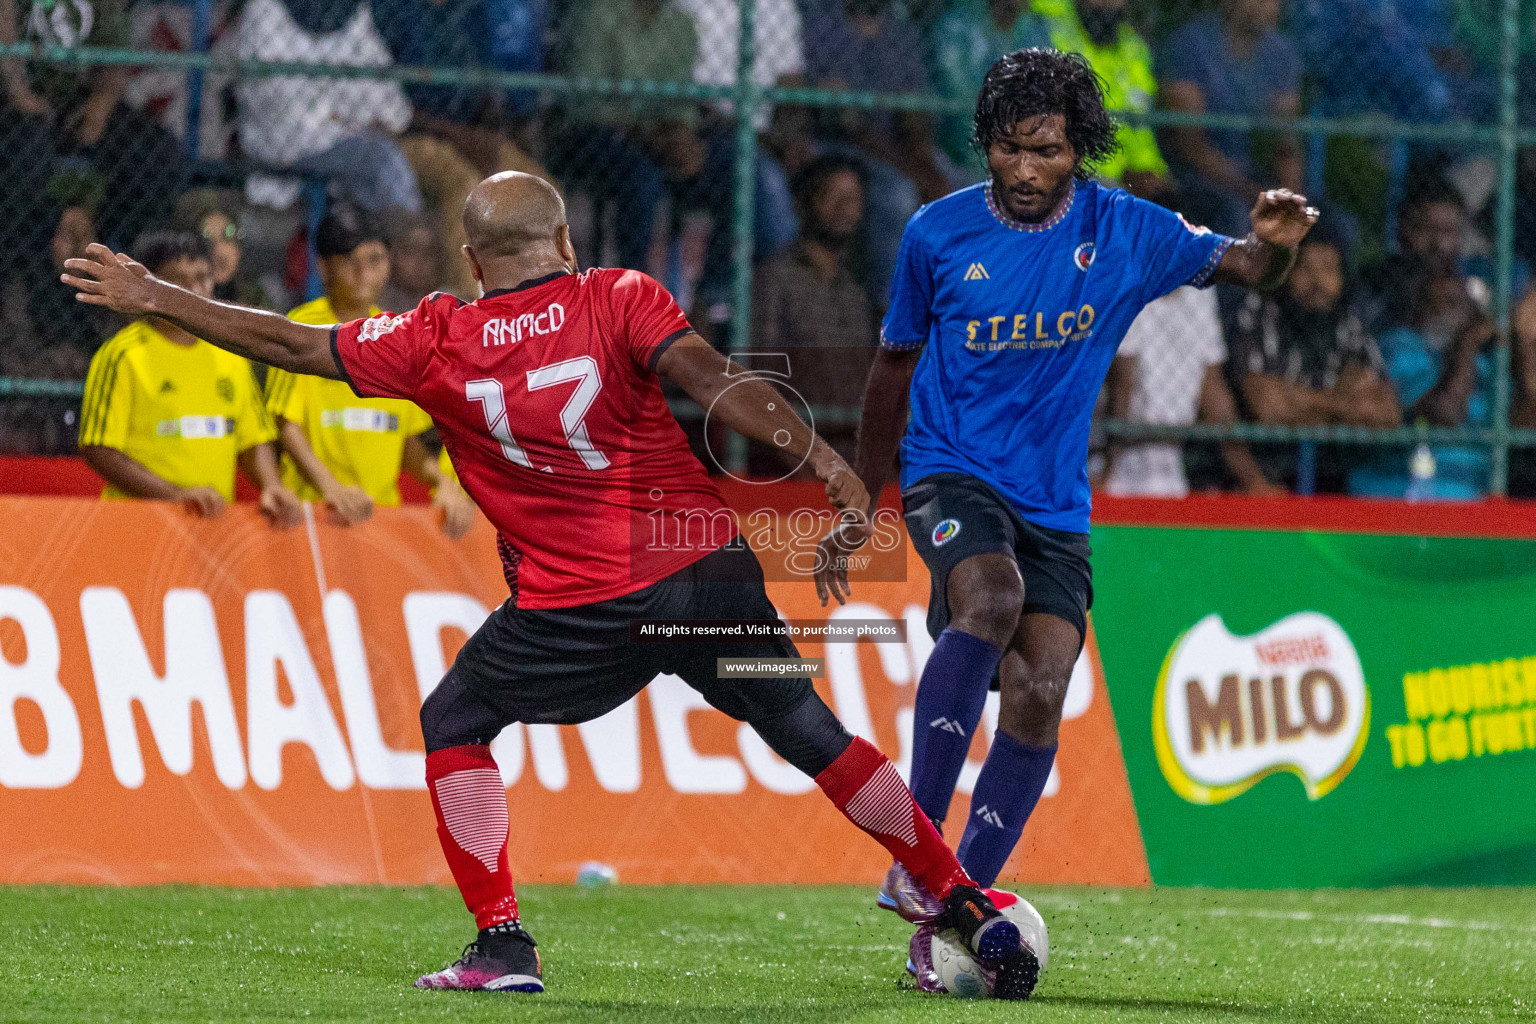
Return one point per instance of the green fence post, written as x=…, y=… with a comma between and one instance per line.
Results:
x=748, y=98
x=1505, y=241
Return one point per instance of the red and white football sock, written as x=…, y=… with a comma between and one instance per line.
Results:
x=471, y=806
x=865, y=786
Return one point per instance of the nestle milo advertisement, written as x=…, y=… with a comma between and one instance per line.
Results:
x=1316, y=709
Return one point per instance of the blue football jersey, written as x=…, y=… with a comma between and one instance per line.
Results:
x=1020, y=322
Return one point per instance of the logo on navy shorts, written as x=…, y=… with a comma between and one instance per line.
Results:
x=1082, y=256
x=945, y=532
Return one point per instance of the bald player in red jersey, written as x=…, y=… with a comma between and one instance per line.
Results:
x=547, y=395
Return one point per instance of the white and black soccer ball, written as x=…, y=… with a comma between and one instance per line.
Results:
x=958, y=972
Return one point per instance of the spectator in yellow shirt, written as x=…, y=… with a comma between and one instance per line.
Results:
x=339, y=449
x=169, y=416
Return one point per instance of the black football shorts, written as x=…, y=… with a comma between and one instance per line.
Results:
x=570, y=665
x=952, y=516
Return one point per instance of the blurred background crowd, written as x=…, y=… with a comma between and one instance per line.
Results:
x=1387, y=320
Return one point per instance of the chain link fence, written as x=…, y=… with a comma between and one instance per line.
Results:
x=760, y=157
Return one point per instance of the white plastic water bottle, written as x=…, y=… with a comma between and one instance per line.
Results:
x=1421, y=474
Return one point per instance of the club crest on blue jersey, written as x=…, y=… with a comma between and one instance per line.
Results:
x=945, y=532
x=1082, y=256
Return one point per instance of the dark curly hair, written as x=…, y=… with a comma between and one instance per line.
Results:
x=1038, y=82
x=345, y=227
x=158, y=248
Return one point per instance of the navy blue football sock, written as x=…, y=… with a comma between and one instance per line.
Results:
x=950, y=698
x=1010, y=785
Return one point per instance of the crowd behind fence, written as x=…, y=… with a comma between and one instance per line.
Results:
x=760, y=158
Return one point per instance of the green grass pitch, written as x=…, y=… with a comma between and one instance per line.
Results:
x=772, y=954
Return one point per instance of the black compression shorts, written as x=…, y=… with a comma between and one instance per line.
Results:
x=569, y=665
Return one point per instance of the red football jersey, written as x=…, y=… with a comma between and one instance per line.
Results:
x=547, y=398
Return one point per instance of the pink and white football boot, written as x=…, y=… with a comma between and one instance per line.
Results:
x=904, y=895
x=920, y=961
x=502, y=959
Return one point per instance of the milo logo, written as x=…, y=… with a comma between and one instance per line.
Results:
x=1230, y=710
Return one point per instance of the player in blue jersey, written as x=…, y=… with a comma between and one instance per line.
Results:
x=1009, y=301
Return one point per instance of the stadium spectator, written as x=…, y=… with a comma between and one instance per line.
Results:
x=1439, y=353
x=637, y=149
x=345, y=129
x=807, y=303
x=778, y=59
x=1302, y=357
x=1522, y=413
x=778, y=47
x=865, y=45
x=161, y=91
x=46, y=334
x=338, y=448
x=415, y=266
x=966, y=40
x=214, y=214
x=507, y=35
x=169, y=416
x=1479, y=28
x=1169, y=370
x=1431, y=227
x=1235, y=61
x=1433, y=231
x=1377, y=56
x=460, y=134
x=59, y=113
x=642, y=151
x=1102, y=31
x=65, y=334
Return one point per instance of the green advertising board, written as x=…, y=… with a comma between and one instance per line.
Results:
x=1321, y=709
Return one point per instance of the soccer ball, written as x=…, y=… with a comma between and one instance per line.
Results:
x=960, y=974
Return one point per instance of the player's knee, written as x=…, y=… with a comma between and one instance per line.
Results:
x=1034, y=690
x=988, y=606
x=450, y=718
x=1031, y=700
x=433, y=721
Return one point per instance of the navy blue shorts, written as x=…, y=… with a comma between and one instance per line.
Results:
x=952, y=516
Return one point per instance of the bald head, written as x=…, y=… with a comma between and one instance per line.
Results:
x=510, y=214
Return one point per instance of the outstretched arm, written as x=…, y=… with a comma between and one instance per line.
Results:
x=1281, y=219
x=881, y=425
x=754, y=408
x=884, y=418
x=104, y=278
